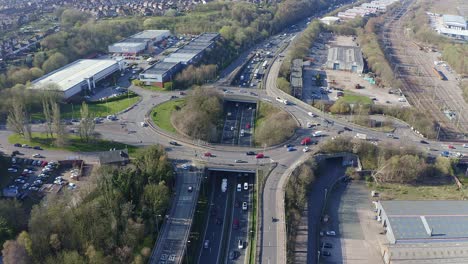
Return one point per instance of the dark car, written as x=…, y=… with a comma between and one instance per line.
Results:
x=15, y=152
x=340, y=131
x=347, y=129
x=424, y=142
x=232, y=255
x=174, y=143
x=37, y=147
x=326, y=253
x=17, y=145
x=173, y=97
x=326, y=245
x=250, y=153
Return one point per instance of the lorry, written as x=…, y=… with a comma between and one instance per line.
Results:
x=281, y=100
x=361, y=136
x=224, y=185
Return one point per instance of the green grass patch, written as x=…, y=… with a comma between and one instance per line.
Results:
x=162, y=113
x=74, y=143
x=352, y=98
x=390, y=191
x=102, y=109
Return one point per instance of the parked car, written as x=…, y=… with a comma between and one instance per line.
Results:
x=235, y=223
x=239, y=187
x=330, y=233
x=206, y=244
x=289, y=149
x=37, y=148
x=246, y=186
x=208, y=154
x=347, y=129
x=306, y=149
x=260, y=156
x=37, y=155
x=250, y=153
x=240, y=244
x=326, y=253
x=25, y=146
x=174, y=143
x=190, y=189
x=12, y=170
x=451, y=146
x=423, y=142
x=17, y=145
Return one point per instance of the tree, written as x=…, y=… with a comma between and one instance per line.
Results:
x=284, y=85
x=48, y=98
x=86, y=123
x=57, y=125
x=17, y=119
x=54, y=62
x=14, y=253
x=25, y=240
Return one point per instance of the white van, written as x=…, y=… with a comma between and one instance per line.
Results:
x=242, y=132
x=239, y=187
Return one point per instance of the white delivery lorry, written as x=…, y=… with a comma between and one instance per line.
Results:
x=361, y=136
x=224, y=185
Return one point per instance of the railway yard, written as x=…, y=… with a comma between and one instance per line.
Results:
x=429, y=86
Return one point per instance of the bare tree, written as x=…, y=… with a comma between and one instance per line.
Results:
x=49, y=96
x=86, y=123
x=18, y=119
x=58, y=128
x=14, y=253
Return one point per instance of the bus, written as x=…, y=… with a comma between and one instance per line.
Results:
x=265, y=64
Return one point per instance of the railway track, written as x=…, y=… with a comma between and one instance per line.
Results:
x=422, y=89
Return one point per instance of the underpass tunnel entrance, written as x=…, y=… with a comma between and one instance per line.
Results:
x=239, y=123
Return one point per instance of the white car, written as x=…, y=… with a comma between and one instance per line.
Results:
x=244, y=206
x=246, y=186
x=37, y=155
x=465, y=145
x=312, y=114
x=239, y=187
x=185, y=166
x=240, y=244
x=330, y=233
x=12, y=170
x=306, y=149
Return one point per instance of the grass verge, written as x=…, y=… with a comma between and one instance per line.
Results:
x=390, y=191
x=162, y=113
x=69, y=111
x=272, y=125
x=74, y=143
x=199, y=223
x=352, y=98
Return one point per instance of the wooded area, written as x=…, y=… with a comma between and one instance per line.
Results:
x=201, y=115
x=112, y=221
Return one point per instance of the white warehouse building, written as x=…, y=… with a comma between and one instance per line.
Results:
x=139, y=42
x=78, y=76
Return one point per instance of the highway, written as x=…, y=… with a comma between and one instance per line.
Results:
x=273, y=238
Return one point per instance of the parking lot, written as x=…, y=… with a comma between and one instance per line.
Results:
x=228, y=219
x=35, y=176
x=349, y=209
x=239, y=123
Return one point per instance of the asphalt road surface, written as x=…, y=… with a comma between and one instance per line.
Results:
x=239, y=117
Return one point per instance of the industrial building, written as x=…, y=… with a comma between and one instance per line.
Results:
x=424, y=231
x=139, y=42
x=78, y=76
x=454, y=22
x=192, y=53
x=160, y=73
x=330, y=20
x=296, y=78
x=365, y=9
x=345, y=58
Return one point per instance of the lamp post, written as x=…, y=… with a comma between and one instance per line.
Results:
x=157, y=223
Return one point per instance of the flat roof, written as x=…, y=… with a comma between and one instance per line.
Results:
x=427, y=220
x=348, y=55
x=160, y=67
x=150, y=34
x=73, y=73
x=454, y=20
x=126, y=44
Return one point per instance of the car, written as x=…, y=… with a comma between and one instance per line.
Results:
x=240, y=244
x=390, y=135
x=340, y=131
x=17, y=145
x=21, y=181
x=12, y=170
x=37, y=155
x=37, y=148
x=190, y=189
x=246, y=186
x=326, y=253
x=289, y=149
x=330, y=233
x=250, y=153
x=173, y=97
x=232, y=255
x=25, y=146
x=206, y=244
x=347, y=129
x=451, y=147
x=244, y=206
x=288, y=146
x=208, y=154
x=33, y=188
x=240, y=161
x=423, y=142
x=326, y=245
x=181, y=93
x=260, y=156
x=15, y=152
x=25, y=186
x=306, y=149
x=174, y=143
x=235, y=223
x=185, y=166
x=239, y=187
x=465, y=145
x=312, y=114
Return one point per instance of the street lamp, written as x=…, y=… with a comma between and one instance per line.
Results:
x=157, y=224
